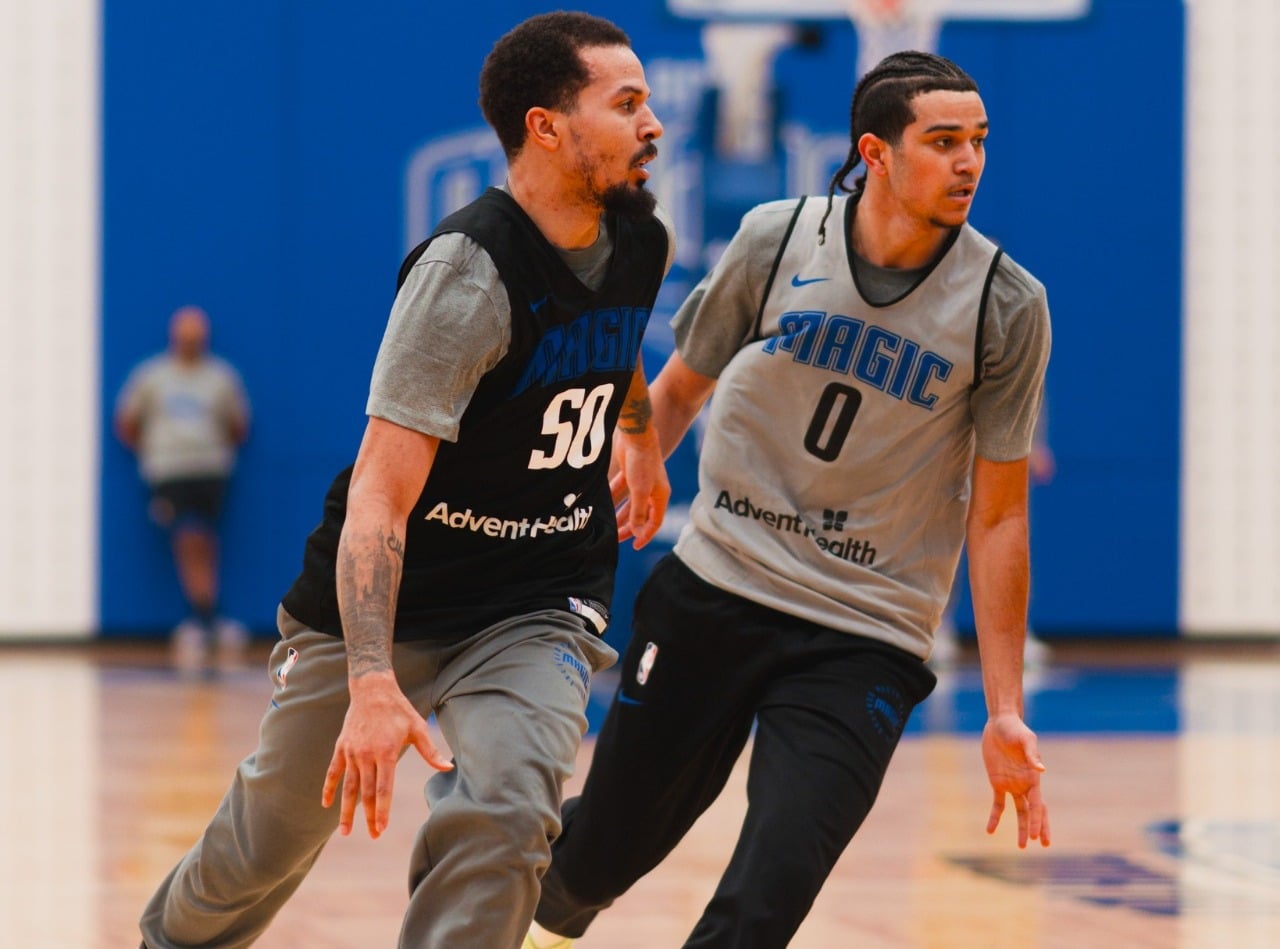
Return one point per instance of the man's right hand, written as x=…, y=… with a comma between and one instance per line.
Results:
x=1012, y=759
x=379, y=724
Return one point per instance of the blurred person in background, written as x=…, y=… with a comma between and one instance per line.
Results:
x=184, y=413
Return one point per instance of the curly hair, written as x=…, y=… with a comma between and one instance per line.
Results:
x=538, y=64
x=882, y=106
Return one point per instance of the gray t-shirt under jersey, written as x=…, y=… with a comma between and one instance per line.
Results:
x=451, y=323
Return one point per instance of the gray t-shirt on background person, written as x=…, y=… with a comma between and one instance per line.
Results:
x=188, y=414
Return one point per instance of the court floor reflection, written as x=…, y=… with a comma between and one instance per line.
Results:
x=1163, y=767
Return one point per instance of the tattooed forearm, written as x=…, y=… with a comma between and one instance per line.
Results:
x=368, y=573
x=636, y=415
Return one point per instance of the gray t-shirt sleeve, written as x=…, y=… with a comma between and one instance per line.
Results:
x=449, y=325
x=718, y=316
x=666, y=221
x=232, y=401
x=1015, y=352
x=135, y=394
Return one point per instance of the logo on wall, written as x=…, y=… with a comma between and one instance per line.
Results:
x=445, y=173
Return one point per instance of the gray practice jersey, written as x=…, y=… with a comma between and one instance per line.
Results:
x=187, y=414
x=835, y=472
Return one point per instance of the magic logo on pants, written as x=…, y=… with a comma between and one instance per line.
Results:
x=575, y=672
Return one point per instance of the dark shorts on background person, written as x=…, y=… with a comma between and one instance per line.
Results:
x=187, y=502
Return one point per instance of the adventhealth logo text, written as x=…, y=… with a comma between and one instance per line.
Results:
x=855, y=551
x=507, y=528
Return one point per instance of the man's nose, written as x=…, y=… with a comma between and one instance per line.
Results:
x=651, y=128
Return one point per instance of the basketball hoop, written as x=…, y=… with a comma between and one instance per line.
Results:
x=890, y=26
x=878, y=12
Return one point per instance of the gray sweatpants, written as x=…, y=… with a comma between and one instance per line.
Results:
x=511, y=703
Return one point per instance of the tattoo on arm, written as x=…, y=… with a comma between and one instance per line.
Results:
x=636, y=415
x=368, y=584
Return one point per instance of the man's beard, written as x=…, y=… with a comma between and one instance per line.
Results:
x=629, y=201
x=625, y=199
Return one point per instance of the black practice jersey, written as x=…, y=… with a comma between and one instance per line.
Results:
x=516, y=514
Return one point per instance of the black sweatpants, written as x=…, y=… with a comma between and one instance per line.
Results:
x=702, y=666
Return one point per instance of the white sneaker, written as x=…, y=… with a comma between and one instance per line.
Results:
x=187, y=647
x=539, y=938
x=947, y=650
x=1036, y=652
x=946, y=644
x=233, y=643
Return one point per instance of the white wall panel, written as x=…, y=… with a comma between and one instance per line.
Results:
x=1230, y=556
x=49, y=315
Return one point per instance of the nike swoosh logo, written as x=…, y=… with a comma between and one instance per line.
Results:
x=797, y=282
x=537, y=305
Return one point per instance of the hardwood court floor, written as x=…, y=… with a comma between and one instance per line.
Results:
x=1162, y=782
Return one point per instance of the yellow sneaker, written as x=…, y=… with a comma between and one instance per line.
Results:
x=539, y=938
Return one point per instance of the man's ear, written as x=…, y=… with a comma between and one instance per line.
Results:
x=542, y=128
x=874, y=151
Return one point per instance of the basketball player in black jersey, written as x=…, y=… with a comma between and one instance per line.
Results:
x=464, y=564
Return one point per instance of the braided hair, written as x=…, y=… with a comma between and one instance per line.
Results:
x=882, y=106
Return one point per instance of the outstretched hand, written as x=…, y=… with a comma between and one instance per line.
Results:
x=379, y=724
x=639, y=485
x=1014, y=767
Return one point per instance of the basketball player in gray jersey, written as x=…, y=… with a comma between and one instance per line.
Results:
x=877, y=366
